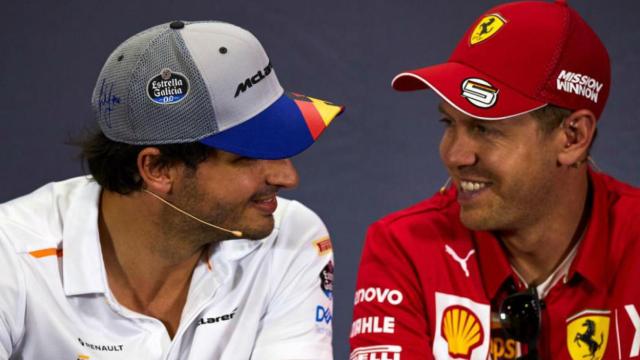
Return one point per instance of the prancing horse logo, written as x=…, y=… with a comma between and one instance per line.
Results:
x=587, y=338
x=485, y=26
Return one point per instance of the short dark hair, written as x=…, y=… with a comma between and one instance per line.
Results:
x=113, y=164
x=551, y=117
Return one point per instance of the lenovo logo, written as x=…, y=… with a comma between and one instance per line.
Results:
x=392, y=296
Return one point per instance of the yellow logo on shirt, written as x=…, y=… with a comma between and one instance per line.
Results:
x=587, y=334
x=462, y=330
x=486, y=28
x=83, y=357
x=323, y=245
x=502, y=348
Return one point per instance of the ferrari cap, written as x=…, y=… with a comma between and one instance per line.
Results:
x=210, y=82
x=518, y=57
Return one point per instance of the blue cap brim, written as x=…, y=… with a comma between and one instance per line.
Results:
x=284, y=129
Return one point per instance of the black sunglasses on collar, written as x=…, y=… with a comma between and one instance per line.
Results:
x=519, y=315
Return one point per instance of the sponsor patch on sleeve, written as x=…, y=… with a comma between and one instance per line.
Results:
x=326, y=279
x=323, y=245
x=323, y=314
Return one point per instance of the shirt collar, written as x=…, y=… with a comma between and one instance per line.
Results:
x=82, y=266
x=591, y=259
x=494, y=265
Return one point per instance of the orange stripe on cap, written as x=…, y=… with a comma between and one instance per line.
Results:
x=46, y=252
x=312, y=117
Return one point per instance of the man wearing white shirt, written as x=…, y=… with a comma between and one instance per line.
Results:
x=177, y=246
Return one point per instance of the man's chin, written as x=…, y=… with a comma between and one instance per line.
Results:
x=475, y=220
x=258, y=231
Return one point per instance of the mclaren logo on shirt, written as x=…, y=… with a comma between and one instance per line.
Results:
x=587, y=334
x=217, y=319
x=462, y=328
x=376, y=352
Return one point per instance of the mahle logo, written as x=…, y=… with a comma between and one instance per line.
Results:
x=486, y=28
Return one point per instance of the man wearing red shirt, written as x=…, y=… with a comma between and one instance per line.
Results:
x=530, y=253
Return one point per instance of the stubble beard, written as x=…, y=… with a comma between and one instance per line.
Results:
x=512, y=209
x=217, y=213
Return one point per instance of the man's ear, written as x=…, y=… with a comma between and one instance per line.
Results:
x=577, y=133
x=157, y=178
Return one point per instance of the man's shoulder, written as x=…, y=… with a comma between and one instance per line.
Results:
x=299, y=230
x=421, y=226
x=439, y=210
x=623, y=198
x=35, y=221
x=293, y=215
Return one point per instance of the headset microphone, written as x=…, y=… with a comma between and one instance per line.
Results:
x=446, y=184
x=235, y=233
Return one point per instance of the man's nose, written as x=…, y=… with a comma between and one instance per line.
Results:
x=282, y=173
x=458, y=150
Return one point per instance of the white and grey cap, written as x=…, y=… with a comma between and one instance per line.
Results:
x=210, y=82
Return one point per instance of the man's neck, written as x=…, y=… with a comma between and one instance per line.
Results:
x=147, y=272
x=537, y=250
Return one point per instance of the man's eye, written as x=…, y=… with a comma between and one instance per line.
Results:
x=481, y=129
x=243, y=159
x=485, y=130
x=446, y=122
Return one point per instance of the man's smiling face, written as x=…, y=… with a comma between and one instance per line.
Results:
x=503, y=169
x=231, y=191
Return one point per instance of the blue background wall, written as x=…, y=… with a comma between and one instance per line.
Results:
x=379, y=157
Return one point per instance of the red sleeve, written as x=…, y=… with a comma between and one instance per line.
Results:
x=389, y=316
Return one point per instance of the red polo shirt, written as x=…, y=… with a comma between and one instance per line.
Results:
x=429, y=288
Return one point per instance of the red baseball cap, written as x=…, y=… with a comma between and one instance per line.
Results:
x=518, y=57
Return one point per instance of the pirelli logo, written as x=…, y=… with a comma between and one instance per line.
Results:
x=323, y=245
x=376, y=352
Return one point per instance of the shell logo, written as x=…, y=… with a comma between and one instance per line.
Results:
x=462, y=330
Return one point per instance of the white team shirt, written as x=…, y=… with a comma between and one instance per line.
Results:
x=266, y=299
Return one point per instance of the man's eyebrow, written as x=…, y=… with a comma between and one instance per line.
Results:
x=442, y=110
